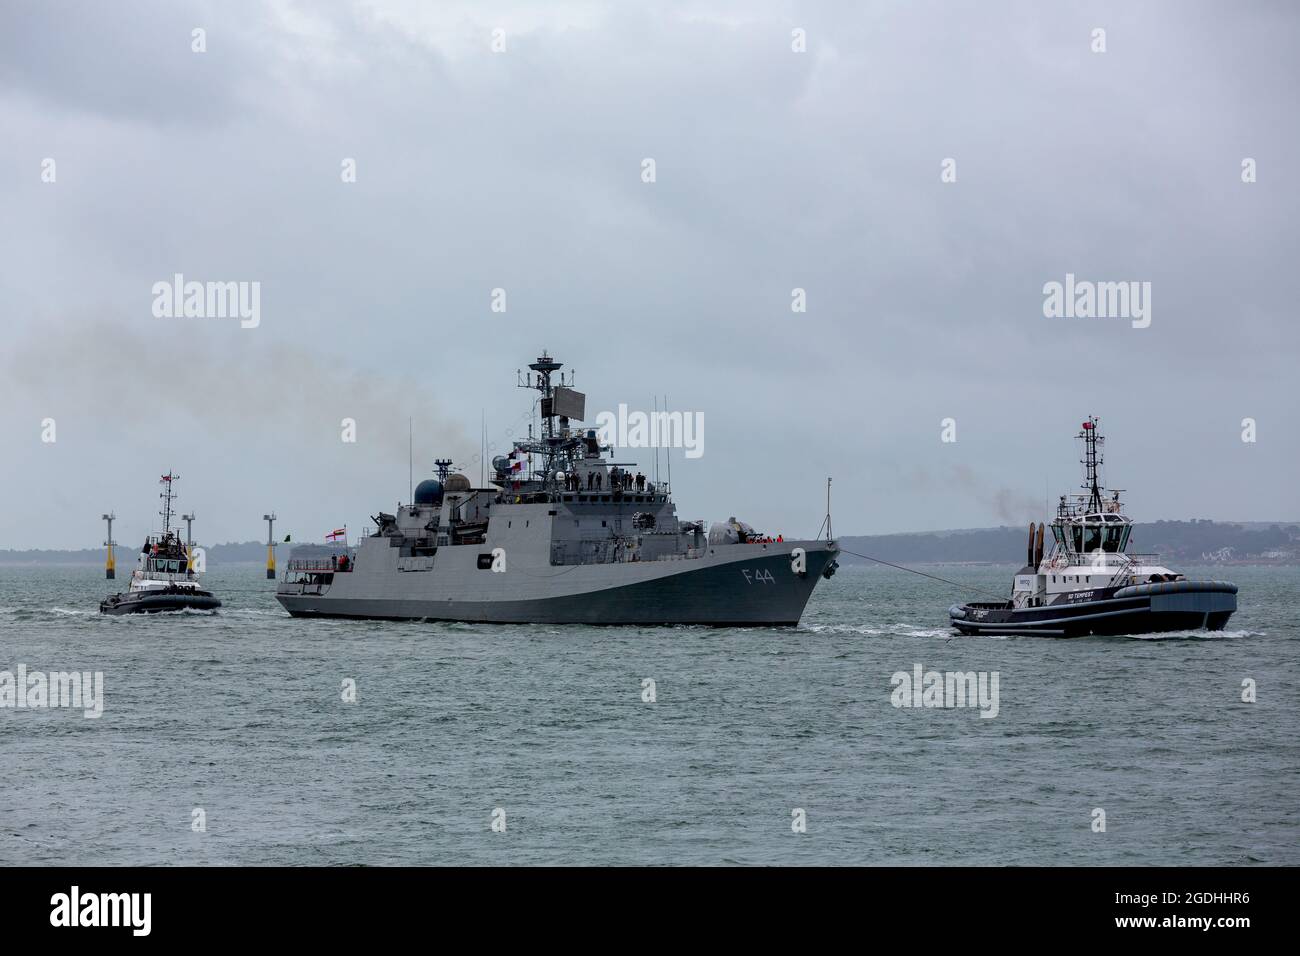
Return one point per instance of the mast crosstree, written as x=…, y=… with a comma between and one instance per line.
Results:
x=558, y=449
x=1092, y=461
x=167, y=495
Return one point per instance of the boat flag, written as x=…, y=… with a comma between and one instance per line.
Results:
x=337, y=533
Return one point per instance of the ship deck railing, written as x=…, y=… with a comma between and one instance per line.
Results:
x=1109, y=559
x=318, y=564
x=607, y=497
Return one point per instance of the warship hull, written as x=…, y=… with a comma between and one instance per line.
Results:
x=740, y=585
x=1135, y=609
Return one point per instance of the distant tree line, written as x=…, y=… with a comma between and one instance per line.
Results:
x=1176, y=541
x=231, y=553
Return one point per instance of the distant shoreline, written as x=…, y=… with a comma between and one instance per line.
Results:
x=1199, y=542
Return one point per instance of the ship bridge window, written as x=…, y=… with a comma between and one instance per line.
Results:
x=1116, y=538
x=1091, y=537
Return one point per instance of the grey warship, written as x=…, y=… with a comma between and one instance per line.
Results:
x=562, y=535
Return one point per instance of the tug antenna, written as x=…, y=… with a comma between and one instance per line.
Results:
x=1092, y=462
x=167, y=495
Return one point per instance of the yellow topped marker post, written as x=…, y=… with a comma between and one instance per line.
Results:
x=110, y=566
x=270, y=545
x=189, y=546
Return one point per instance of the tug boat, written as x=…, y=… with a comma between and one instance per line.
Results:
x=164, y=579
x=1091, y=583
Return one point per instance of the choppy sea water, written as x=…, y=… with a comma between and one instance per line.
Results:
x=240, y=713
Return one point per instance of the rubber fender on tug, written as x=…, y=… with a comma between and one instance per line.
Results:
x=1176, y=587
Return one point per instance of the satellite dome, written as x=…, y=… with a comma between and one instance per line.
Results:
x=457, y=483
x=429, y=492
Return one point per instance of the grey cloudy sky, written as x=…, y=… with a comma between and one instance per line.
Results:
x=522, y=170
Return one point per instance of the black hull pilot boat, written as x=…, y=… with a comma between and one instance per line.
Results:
x=1091, y=583
x=165, y=578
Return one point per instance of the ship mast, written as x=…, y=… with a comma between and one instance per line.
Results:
x=167, y=495
x=1092, y=462
x=550, y=446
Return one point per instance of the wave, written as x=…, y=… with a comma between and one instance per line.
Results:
x=904, y=629
x=897, y=629
x=1196, y=635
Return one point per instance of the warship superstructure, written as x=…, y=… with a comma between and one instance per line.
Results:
x=164, y=578
x=562, y=534
x=1091, y=583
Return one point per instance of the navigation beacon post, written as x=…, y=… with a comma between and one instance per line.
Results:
x=110, y=566
x=270, y=545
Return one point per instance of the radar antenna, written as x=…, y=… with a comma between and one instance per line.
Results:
x=551, y=447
